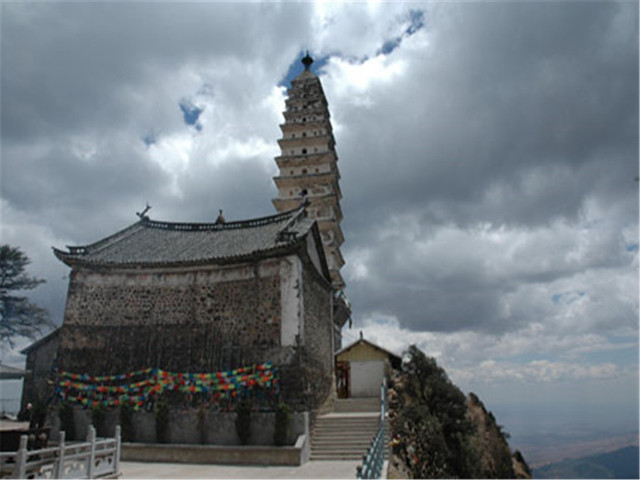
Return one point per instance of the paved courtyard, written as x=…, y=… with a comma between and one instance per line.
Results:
x=337, y=469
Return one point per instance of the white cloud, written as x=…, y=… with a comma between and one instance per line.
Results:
x=487, y=159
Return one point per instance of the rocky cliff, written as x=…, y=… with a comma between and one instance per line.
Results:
x=437, y=432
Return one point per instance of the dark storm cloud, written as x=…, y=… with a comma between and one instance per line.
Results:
x=516, y=116
x=69, y=65
x=87, y=87
x=470, y=173
x=507, y=91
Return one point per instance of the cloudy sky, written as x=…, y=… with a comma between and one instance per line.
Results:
x=488, y=151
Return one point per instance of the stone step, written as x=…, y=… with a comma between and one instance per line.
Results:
x=348, y=420
x=317, y=447
x=347, y=433
x=356, y=405
x=346, y=427
x=342, y=438
x=329, y=458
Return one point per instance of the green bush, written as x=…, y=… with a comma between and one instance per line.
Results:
x=67, y=423
x=162, y=421
x=281, y=427
x=98, y=420
x=126, y=423
x=202, y=422
x=243, y=421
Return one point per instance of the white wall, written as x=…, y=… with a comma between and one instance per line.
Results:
x=366, y=377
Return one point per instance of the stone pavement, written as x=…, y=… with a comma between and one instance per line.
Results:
x=320, y=469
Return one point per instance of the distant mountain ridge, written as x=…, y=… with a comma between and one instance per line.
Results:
x=621, y=463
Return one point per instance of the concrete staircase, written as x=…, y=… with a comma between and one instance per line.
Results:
x=346, y=433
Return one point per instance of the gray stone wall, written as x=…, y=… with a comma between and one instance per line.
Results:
x=191, y=426
x=318, y=329
x=36, y=388
x=189, y=321
x=317, y=341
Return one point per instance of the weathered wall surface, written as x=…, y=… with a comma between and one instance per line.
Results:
x=317, y=337
x=190, y=426
x=202, y=320
x=205, y=319
x=40, y=361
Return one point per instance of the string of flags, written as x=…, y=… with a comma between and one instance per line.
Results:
x=141, y=387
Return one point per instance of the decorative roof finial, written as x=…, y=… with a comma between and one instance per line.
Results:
x=307, y=61
x=143, y=214
x=220, y=218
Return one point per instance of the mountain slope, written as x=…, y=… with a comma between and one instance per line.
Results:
x=438, y=433
x=621, y=463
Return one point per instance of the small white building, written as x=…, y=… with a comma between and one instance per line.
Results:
x=360, y=368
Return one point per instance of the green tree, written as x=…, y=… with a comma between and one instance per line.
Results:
x=18, y=316
x=432, y=421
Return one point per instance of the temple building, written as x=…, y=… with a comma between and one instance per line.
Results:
x=308, y=164
x=211, y=297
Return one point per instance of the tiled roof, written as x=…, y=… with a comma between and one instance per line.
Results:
x=11, y=373
x=150, y=242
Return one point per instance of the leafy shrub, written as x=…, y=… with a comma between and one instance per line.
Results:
x=243, y=421
x=67, y=423
x=126, y=422
x=202, y=423
x=281, y=428
x=98, y=420
x=162, y=421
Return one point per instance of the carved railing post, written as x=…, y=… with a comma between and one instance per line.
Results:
x=92, y=453
x=58, y=468
x=21, y=458
x=116, y=462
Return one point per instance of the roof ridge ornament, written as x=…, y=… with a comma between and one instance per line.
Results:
x=220, y=218
x=143, y=214
x=307, y=61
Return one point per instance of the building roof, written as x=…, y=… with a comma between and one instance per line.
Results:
x=42, y=340
x=153, y=243
x=11, y=373
x=395, y=360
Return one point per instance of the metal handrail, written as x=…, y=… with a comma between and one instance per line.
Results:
x=373, y=461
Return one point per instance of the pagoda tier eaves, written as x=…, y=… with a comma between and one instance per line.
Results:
x=306, y=159
x=293, y=114
x=336, y=279
x=322, y=200
x=332, y=227
x=307, y=142
x=297, y=126
x=307, y=180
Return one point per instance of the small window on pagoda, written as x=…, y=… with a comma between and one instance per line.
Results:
x=315, y=149
x=304, y=119
x=304, y=151
x=293, y=135
x=317, y=170
x=304, y=171
x=291, y=172
x=304, y=134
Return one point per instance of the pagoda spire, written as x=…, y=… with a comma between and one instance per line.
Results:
x=308, y=167
x=307, y=61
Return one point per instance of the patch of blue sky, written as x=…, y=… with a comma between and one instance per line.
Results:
x=149, y=139
x=416, y=22
x=632, y=247
x=567, y=297
x=623, y=354
x=191, y=113
x=527, y=358
x=296, y=68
